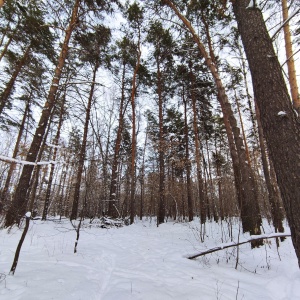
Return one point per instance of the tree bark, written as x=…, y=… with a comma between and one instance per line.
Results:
x=161, y=152
x=273, y=193
x=133, y=144
x=18, y=207
x=114, y=172
x=279, y=121
x=201, y=194
x=142, y=176
x=187, y=162
x=242, y=127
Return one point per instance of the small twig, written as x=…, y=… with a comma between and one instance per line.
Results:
x=237, y=290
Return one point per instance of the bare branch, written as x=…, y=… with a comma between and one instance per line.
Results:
x=233, y=244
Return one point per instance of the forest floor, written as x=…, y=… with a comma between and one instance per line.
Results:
x=144, y=262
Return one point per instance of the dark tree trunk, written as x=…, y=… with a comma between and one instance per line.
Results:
x=161, y=153
x=114, y=173
x=279, y=121
x=142, y=177
x=242, y=128
x=18, y=250
x=273, y=193
x=201, y=193
x=187, y=163
x=133, y=144
x=18, y=207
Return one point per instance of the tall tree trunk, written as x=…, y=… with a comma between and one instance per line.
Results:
x=242, y=127
x=9, y=87
x=201, y=194
x=274, y=197
x=290, y=57
x=279, y=121
x=15, y=153
x=18, y=207
x=161, y=152
x=249, y=98
x=61, y=194
x=83, y=147
x=133, y=144
x=244, y=177
x=187, y=162
x=114, y=172
x=142, y=176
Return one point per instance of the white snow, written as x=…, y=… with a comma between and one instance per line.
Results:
x=54, y=146
x=251, y=4
x=144, y=262
x=25, y=162
x=28, y=214
x=14, y=160
x=281, y=113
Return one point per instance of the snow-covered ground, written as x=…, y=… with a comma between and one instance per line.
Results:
x=143, y=262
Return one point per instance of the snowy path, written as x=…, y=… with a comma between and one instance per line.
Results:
x=142, y=262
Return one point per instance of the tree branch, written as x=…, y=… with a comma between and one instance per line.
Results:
x=233, y=244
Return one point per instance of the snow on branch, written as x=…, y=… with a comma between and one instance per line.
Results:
x=54, y=146
x=24, y=162
x=233, y=244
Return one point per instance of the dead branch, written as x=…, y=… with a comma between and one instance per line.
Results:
x=233, y=244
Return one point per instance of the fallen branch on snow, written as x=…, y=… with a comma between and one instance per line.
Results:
x=233, y=244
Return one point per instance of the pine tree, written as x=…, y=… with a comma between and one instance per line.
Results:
x=279, y=122
x=162, y=42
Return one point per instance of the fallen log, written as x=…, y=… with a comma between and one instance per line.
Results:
x=233, y=244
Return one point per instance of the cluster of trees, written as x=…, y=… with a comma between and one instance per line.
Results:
x=154, y=118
